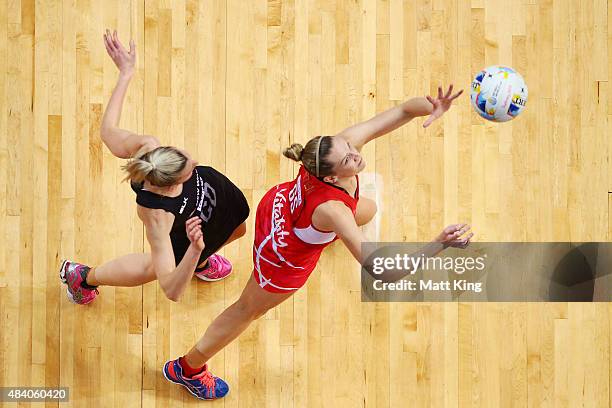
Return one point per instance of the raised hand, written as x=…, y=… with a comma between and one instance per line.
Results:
x=124, y=60
x=455, y=235
x=194, y=232
x=441, y=104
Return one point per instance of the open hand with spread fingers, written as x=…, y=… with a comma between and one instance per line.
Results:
x=456, y=235
x=194, y=232
x=441, y=104
x=123, y=59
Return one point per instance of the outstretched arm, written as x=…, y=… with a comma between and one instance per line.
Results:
x=122, y=143
x=389, y=120
x=335, y=216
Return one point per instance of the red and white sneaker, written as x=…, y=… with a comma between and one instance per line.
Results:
x=218, y=267
x=73, y=274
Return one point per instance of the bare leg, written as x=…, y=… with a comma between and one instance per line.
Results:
x=366, y=210
x=253, y=303
x=238, y=232
x=136, y=269
x=128, y=270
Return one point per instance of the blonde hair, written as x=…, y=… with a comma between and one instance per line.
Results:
x=313, y=156
x=161, y=166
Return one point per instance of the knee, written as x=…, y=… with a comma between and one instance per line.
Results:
x=249, y=309
x=149, y=271
x=374, y=210
x=241, y=230
x=259, y=314
x=368, y=213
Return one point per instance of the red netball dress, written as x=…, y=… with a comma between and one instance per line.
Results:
x=287, y=246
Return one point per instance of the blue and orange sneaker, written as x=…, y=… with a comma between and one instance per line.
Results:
x=203, y=386
x=73, y=274
x=218, y=267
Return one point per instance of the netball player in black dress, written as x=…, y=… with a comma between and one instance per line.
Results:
x=189, y=211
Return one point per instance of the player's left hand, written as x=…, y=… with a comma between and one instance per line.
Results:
x=441, y=104
x=193, y=227
x=456, y=236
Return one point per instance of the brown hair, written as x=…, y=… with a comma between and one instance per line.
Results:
x=161, y=166
x=313, y=156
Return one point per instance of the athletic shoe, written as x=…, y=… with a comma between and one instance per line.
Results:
x=218, y=267
x=203, y=386
x=73, y=274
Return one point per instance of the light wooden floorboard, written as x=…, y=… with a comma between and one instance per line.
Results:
x=236, y=81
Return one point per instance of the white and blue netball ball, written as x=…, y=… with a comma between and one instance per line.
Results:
x=499, y=94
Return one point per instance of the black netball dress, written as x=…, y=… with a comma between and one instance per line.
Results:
x=207, y=194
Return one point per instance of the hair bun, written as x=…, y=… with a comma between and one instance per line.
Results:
x=294, y=152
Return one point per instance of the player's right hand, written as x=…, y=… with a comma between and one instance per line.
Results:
x=124, y=60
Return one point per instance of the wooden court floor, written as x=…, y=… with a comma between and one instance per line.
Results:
x=234, y=82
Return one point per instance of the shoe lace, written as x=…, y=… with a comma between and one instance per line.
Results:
x=213, y=264
x=207, y=379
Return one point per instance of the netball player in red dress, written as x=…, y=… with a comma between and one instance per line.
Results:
x=296, y=220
